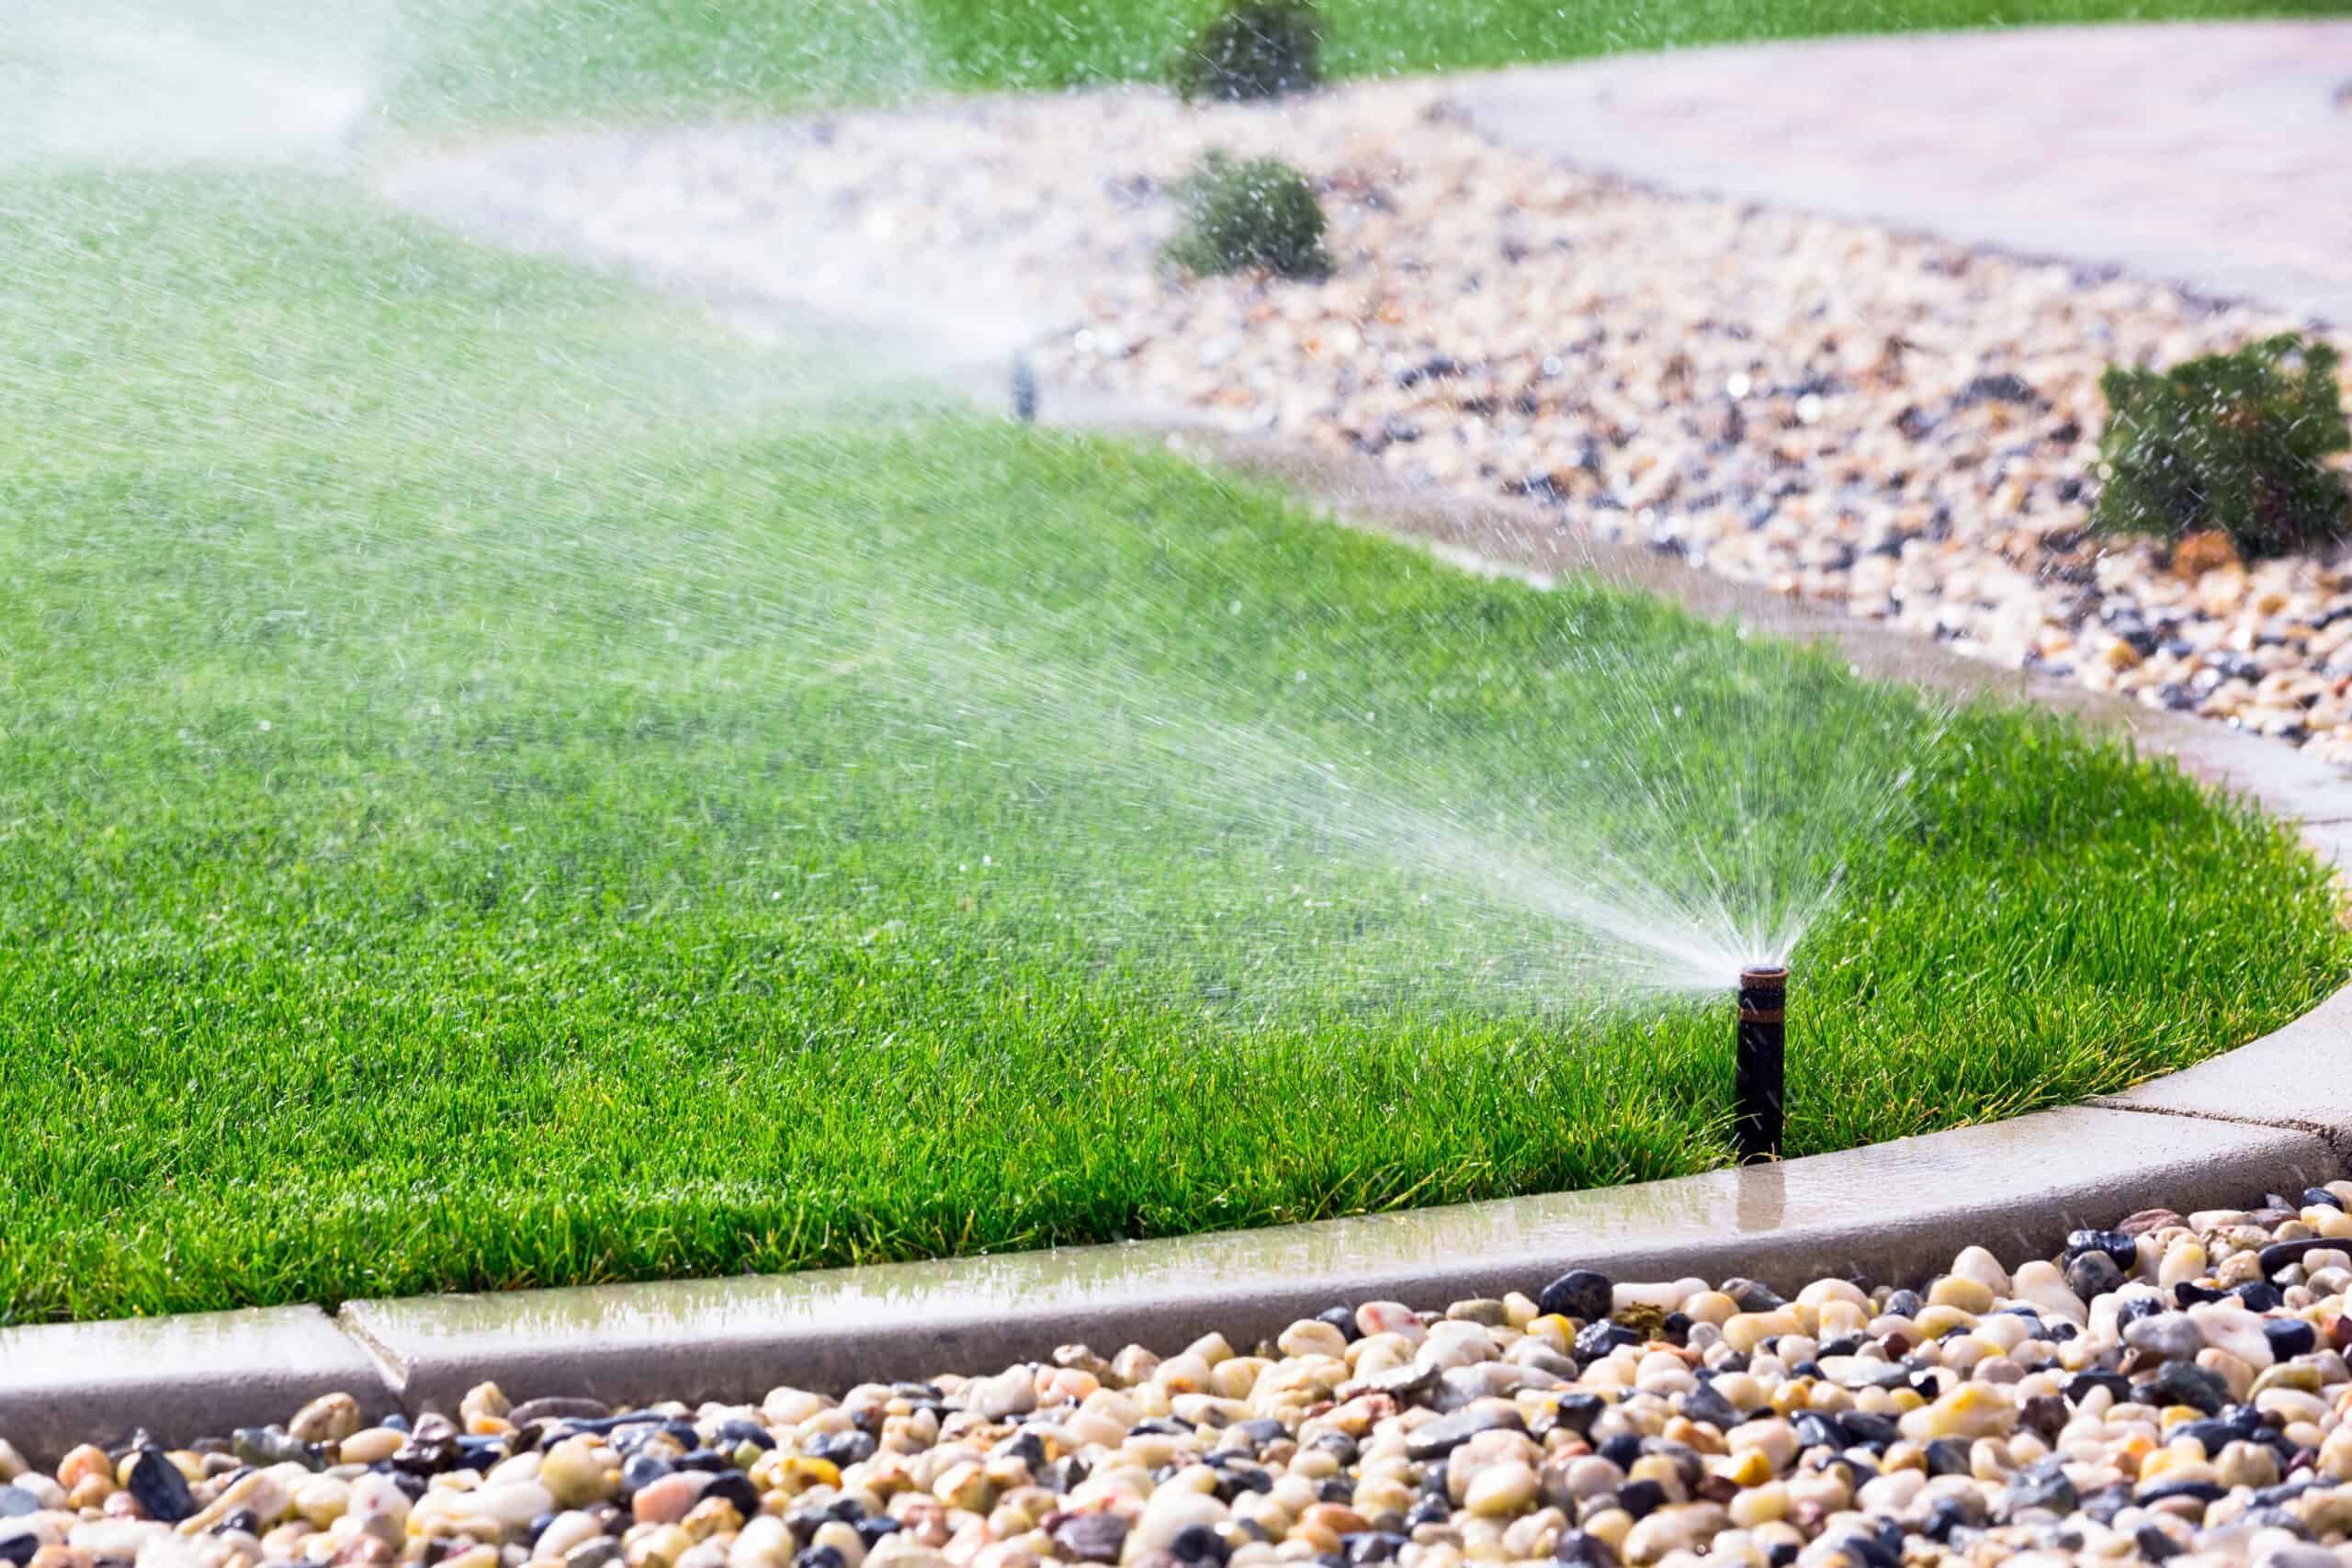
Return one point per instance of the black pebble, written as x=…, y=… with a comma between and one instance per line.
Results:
x=846, y=1448
x=2261, y=1295
x=1946, y=1517
x=1621, y=1451
x=1870, y=1552
x=480, y=1453
x=159, y=1487
x=19, y=1549
x=1027, y=1447
x=1582, y=1550
x=1750, y=1295
x=1876, y=1433
x=1198, y=1543
x=2122, y=1246
x=1582, y=1293
x=640, y=1470
x=2185, y=1382
x=2154, y=1544
x=1816, y=1430
x=818, y=1557
x=1596, y=1338
x=735, y=1487
x=1366, y=1547
x=1343, y=1319
x=2045, y=1413
x=1641, y=1498
x=2278, y=1254
x=1905, y=1303
x=2316, y=1197
x=1948, y=1456
x=1703, y=1404
x=2289, y=1338
x=738, y=1432
x=2042, y=1486
x=874, y=1527
x=422, y=1457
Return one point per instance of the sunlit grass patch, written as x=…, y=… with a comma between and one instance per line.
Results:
x=504, y=786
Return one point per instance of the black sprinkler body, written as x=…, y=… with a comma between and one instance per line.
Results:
x=1758, y=1086
x=1024, y=390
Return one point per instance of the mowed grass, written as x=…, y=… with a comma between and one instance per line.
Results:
x=530, y=60
x=503, y=787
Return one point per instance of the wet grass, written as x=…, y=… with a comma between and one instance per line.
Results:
x=530, y=60
x=503, y=787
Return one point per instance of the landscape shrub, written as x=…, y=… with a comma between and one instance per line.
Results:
x=2232, y=441
x=1252, y=50
x=1260, y=213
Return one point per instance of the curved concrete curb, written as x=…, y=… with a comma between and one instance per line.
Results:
x=1887, y=1212
x=180, y=1377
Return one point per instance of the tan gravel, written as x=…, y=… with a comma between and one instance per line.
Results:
x=2174, y=1385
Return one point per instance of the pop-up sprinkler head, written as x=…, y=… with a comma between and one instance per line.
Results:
x=1758, y=1085
x=1024, y=389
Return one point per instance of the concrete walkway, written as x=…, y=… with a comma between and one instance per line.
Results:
x=2213, y=155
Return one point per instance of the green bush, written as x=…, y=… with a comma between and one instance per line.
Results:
x=1253, y=48
x=2230, y=441
x=1260, y=213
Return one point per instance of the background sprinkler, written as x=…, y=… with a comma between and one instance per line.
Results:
x=1024, y=390
x=1756, y=1082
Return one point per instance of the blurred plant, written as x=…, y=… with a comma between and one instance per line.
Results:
x=2230, y=441
x=1252, y=49
x=1260, y=213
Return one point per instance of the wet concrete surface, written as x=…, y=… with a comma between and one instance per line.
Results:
x=1889, y=1212
x=193, y=1375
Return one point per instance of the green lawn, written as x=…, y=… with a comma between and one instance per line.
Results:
x=505, y=786
x=550, y=59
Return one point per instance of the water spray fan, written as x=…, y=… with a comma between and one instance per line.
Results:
x=1758, y=1085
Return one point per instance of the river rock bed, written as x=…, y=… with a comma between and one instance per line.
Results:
x=2172, y=1388
x=1896, y=423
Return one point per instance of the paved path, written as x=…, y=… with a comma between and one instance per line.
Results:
x=2213, y=155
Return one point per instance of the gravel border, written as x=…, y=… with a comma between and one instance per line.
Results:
x=2169, y=1384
